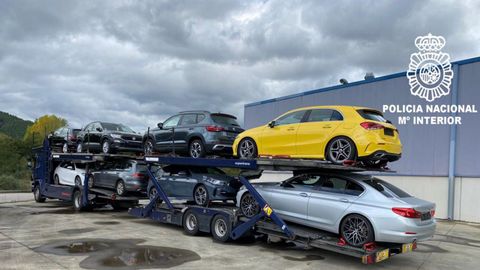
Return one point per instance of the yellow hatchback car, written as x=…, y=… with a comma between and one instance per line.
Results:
x=334, y=133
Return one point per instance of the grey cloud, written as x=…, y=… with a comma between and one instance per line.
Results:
x=139, y=62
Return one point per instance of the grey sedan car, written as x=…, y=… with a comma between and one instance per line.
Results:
x=199, y=184
x=361, y=208
x=123, y=177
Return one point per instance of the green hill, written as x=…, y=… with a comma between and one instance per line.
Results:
x=13, y=126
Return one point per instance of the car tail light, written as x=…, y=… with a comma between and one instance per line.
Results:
x=371, y=126
x=432, y=213
x=406, y=212
x=214, y=128
x=138, y=175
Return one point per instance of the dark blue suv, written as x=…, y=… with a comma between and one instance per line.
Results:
x=194, y=133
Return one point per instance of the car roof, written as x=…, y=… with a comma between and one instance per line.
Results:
x=334, y=107
x=351, y=175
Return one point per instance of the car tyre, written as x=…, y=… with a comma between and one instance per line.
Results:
x=78, y=181
x=56, y=180
x=341, y=149
x=120, y=188
x=196, y=149
x=221, y=228
x=151, y=195
x=190, y=223
x=200, y=195
x=356, y=230
x=79, y=147
x=65, y=148
x=107, y=147
x=247, y=149
x=77, y=200
x=148, y=147
x=37, y=195
x=248, y=205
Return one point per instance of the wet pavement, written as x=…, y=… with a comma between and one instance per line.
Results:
x=53, y=236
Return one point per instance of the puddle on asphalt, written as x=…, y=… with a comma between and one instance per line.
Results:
x=120, y=254
x=77, y=231
x=106, y=222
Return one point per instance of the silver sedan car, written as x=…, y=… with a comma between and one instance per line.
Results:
x=361, y=208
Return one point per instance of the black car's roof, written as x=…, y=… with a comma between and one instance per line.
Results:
x=218, y=113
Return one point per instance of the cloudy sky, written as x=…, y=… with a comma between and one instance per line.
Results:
x=138, y=62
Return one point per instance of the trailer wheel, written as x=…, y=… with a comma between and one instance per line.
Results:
x=221, y=228
x=36, y=194
x=190, y=223
x=77, y=200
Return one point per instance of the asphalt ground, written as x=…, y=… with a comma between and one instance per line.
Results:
x=52, y=236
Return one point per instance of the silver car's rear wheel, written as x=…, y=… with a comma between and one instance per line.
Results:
x=248, y=205
x=356, y=230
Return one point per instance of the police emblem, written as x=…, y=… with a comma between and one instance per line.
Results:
x=430, y=72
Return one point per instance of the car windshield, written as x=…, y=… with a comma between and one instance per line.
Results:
x=117, y=127
x=372, y=115
x=224, y=119
x=386, y=188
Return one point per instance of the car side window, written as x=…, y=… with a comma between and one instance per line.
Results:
x=172, y=121
x=320, y=115
x=306, y=180
x=291, y=118
x=89, y=127
x=339, y=185
x=200, y=117
x=188, y=119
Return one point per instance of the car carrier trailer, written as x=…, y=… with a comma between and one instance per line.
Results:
x=224, y=221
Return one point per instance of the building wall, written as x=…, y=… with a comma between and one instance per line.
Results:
x=424, y=167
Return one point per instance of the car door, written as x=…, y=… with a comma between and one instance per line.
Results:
x=315, y=132
x=164, y=137
x=68, y=174
x=279, y=139
x=96, y=135
x=186, y=125
x=101, y=177
x=290, y=199
x=182, y=183
x=329, y=201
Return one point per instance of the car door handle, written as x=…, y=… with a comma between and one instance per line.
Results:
x=290, y=129
x=327, y=127
x=303, y=194
x=343, y=200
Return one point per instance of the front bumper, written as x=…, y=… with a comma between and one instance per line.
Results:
x=122, y=145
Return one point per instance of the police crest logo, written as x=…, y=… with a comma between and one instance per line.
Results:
x=430, y=72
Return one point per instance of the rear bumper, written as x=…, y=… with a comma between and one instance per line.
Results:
x=405, y=233
x=136, y=186
x=381, y=155
x=219, y=148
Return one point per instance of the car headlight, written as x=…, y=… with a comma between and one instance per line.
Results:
x=116, y=136
x=215, y=182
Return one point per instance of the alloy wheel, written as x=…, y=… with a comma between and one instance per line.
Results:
x=200, y=195
x=249, y=205
x=195, y=149
x=247, y=149
x=148, y=147
x=120, y=188
x=340, y=150
x=106, y=147
x=355, y=231
x=153, y=193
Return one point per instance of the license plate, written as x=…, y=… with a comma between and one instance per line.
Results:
x=382, y=255
x=407, y=247
x=425, y=216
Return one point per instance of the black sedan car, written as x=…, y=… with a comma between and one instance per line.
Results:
x=64, y=139
x=199, y=184
x=122, y=177
x=108, y=138
x=195, y=133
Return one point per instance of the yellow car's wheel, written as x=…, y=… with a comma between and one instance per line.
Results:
x=340, y=149
x=247, y=148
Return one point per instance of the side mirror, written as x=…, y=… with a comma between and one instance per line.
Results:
x=29, y=164
x=388, y=121
x=160, y=125
x=99, y=129
x=271, y=124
